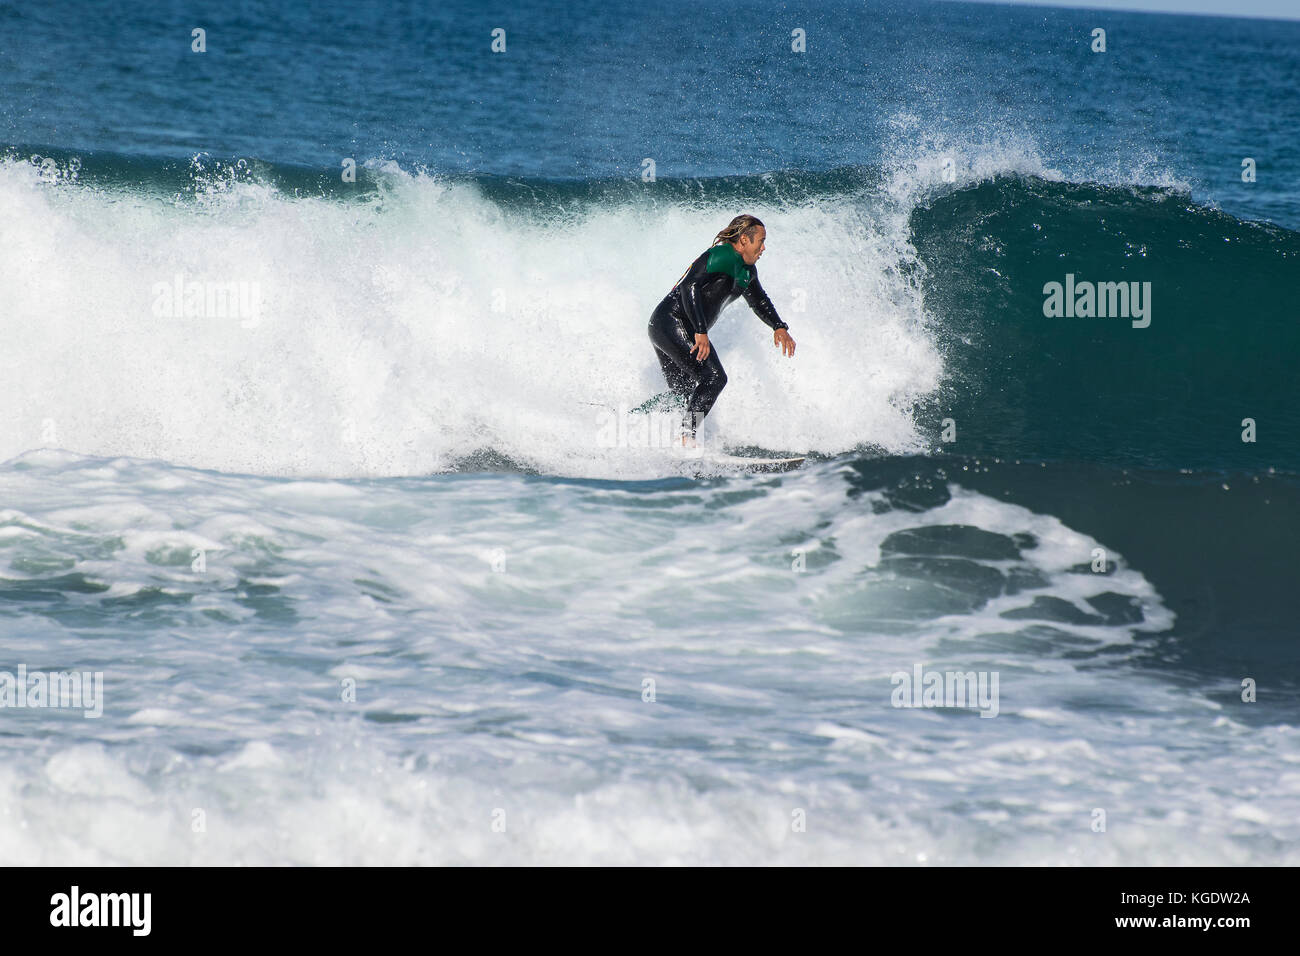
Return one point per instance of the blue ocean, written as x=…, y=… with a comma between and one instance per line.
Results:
x=320, y=327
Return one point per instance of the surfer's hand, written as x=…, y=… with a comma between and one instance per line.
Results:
x=782, y=338
x=701, y=343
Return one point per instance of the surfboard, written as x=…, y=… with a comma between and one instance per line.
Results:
x=710, y=462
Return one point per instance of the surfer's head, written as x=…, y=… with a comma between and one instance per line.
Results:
x=747, y=234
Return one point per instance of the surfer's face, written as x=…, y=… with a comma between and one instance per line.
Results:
x=751, y=247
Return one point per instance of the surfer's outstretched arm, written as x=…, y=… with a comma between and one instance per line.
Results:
x=757, y=298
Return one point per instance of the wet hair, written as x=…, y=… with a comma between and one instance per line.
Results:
x=742, y=225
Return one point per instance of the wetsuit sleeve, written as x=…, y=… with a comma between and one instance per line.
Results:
x=688, y=291
x=762, y=305
x=692, y=306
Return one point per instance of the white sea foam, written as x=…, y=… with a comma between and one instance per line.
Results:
x=396, y=335
x=524, y=689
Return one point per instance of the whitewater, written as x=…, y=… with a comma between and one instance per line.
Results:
x=373, y=671
x=401, y=333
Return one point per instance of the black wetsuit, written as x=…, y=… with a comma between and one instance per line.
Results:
x=713, y=282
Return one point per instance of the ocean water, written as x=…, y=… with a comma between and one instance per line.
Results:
x=376, y=569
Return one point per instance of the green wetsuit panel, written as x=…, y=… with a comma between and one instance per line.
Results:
x=725, y=259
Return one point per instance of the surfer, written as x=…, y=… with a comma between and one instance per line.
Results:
x=679, y=326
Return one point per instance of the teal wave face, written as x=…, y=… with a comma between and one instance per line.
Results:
x=1220, y=347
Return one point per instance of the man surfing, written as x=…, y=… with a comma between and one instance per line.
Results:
x=679, y=326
